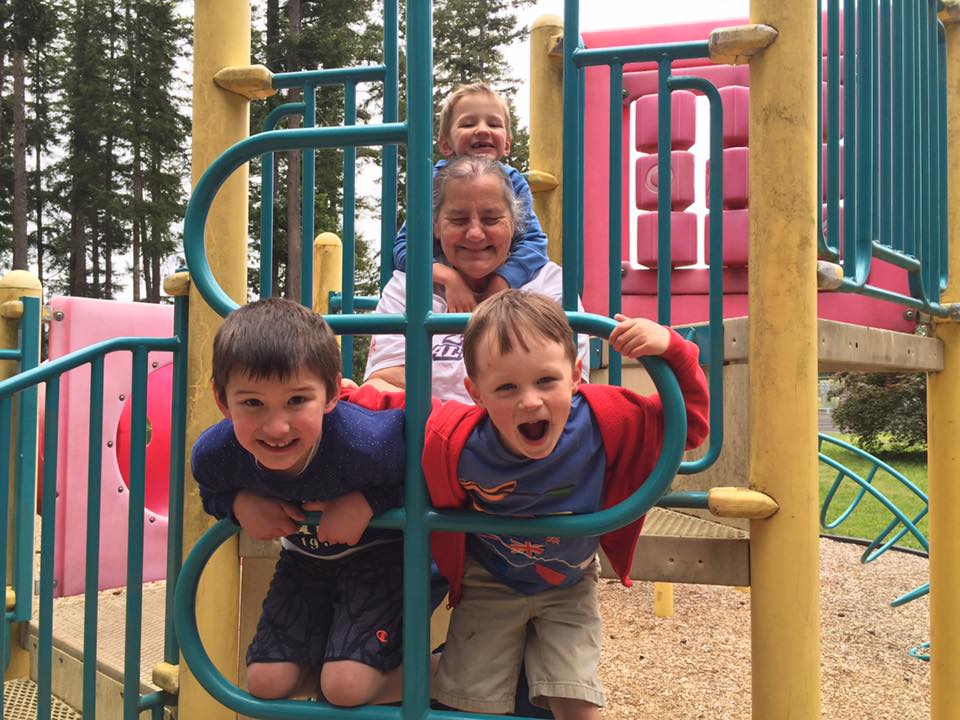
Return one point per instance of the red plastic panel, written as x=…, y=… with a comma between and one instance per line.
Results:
x=736, y=115
x=683, y=121
x=736, y=235
x=683, y=239
x=681, y=181
x=736, y=178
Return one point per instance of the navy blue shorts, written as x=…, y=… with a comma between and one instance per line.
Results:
x=317, y=610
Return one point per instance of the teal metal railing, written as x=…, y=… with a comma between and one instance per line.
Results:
x=901, y=523
x=576, y=58
x=891, y=75
x=24, y=387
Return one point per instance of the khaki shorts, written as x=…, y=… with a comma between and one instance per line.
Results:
x=557, y=633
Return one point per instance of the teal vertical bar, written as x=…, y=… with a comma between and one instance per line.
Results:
x=578, y=245
x=832, y=233
x=6, y=426
x=26, y=463
x=134, y=607
x=416, y=610
x=897, y=140
x=48, y=513
x=267, y=169
x=178, y=425
x=615, y=213
x=850, y=141
x=664, y=191
x=266, y=224
x=92, y=569
x=885, y=144
x=942, y=155
x=571, y=129
x=349, y=217
x=388, y=183
x=859, y=247
x=715, y=207
x=909, y=129
x=308, y=198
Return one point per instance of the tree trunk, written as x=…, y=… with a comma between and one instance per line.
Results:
x=294, y=239
x=38, y=199
x=137, y=239
x=78, y=259
x=19, y=163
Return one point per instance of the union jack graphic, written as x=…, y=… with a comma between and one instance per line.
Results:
x=525, y=548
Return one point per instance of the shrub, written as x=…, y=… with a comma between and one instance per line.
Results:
x=882, y=410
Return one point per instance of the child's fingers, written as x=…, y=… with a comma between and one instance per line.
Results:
x=294, y=513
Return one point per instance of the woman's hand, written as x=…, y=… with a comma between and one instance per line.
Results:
x=460, y=297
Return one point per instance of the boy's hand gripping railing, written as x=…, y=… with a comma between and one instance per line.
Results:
x=597, y=523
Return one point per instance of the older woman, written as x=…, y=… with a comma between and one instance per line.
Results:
x=476, y=218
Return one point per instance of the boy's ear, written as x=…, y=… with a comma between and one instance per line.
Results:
x=472, y=391
x=577, y=375
x=335, y=397
x=506, y=147
x=445, y=147
x=221, y=402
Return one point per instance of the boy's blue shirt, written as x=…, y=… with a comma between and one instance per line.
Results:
x=527, y=254
x=568, y=481
x=359, y=449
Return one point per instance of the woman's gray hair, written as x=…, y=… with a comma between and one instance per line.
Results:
x=468, y=167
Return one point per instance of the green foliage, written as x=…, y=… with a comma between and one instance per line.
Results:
x=882, y=410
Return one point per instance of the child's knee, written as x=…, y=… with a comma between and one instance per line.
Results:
x=348, y=683
x=273, y=681
x=571, y=709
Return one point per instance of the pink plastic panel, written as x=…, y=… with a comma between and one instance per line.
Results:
x=83, y=322
x=683, y=121
x=736, y=178
x=823, y=159
x=736, y=233
x=683, y=239
x=823, y=108
x=736, y=115
x=681, y=181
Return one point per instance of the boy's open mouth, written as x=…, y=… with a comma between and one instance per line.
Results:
x=534, y=431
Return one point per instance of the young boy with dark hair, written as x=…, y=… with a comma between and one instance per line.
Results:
x=474, y=120
x=333, y=612
x=538, y=442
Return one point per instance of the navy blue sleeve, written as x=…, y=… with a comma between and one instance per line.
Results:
x=209, y=465
x=529, y=251
x=379, y=453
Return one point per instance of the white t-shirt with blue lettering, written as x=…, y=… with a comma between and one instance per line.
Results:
x=387, y=351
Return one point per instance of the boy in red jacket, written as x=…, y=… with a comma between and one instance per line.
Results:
x=540, y=443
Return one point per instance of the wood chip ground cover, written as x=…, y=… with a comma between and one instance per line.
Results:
x=696, y=665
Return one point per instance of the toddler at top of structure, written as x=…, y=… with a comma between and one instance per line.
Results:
x=289, y=444
x=538, y=442
x=474, y=120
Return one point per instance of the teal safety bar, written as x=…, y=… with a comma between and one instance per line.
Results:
x=25, y=384
x=901, y=523
x=664, y=54
x=6, y=426
x=266, y=197
x=360, y=302
x=349, y=224
x=893, y=85
x=391, y=102
x=418, y=521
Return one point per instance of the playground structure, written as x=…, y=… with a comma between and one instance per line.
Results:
x=769, y=361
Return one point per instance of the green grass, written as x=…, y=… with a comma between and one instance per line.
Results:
x=870, y=517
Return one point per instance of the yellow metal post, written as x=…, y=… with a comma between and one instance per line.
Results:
x=784, y=213
x=220, y=118
x=13, y=286
x=327, y=270
x=943, y=428
x=546, y=130
x=663, y=599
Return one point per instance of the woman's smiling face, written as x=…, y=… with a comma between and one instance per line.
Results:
x=474, y=226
